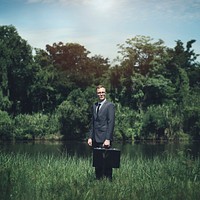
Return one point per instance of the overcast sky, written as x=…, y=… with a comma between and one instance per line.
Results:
x=99, y=25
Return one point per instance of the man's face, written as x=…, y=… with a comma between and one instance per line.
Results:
x=101, y=93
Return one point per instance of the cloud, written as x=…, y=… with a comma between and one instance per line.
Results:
x=101, y=26
x=177, y=7
x=180, y=9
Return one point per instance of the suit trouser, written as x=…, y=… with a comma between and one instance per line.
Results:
x=102, y=172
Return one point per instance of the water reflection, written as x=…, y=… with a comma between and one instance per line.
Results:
x=146, y=150
x=45, y=147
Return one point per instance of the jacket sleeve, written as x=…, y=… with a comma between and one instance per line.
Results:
x=110, y=121
x=91, y=130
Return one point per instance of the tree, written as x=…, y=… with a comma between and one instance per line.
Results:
x=5, y=103
x=74, y=114
x=98, y=70
x=78, y=70
x=43, y=91
x=142, y=60
x=6, y=126
x=186, y=58
x=141, y=52
x=72, y=60
x=16, y=66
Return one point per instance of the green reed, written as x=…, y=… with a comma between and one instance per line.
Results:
x=39, y=177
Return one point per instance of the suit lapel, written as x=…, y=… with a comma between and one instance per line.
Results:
x=101, y=109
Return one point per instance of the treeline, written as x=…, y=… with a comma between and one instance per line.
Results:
x=47, y=94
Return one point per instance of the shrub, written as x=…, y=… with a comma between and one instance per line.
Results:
x=192, y=121
x=74, y=116
x=6, y=126
x=162, y=122
x=127, y=124
x=35, y=126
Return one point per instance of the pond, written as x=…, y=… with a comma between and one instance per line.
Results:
x=139, y=149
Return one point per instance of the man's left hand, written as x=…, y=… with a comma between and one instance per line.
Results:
x=106, y=144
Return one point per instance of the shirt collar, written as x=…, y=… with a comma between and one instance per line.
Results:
x=102, y=102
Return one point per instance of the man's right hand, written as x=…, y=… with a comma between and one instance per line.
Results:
x=90, y=142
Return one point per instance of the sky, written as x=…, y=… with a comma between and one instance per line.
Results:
x=100, y=25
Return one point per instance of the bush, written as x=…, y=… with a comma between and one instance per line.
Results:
x=127, y=124
x=192, y=121
x=6, y=126
x=5, y=104
x=162, y=122
x=74, y=115
x=35, y=126
x=192, y=114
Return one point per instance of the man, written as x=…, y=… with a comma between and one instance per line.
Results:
x=102, y=127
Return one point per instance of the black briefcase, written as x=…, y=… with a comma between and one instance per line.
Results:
x=107, y=158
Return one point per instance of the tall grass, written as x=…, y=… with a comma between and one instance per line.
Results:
x=45, y=177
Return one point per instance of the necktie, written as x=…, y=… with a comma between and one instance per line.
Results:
x=98, y=108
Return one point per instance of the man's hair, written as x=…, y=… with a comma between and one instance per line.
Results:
x=99, y=86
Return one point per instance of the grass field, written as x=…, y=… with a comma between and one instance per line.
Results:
x=25, y=177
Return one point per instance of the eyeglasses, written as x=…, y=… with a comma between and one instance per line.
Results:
x=101, y=93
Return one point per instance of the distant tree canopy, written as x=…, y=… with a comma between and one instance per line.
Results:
x=16, y=63
x=155, y=88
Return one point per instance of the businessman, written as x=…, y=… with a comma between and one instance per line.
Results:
x=102, y=127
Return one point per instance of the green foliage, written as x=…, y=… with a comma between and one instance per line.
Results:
x=128, y=123
x=36, y=126
x=183, y=87
x=192, y=114
x=159, y=88
x=6, y=126
x=141, y=51
x=5, y=104
x=17, y=68
x=73, y=115
x=162, y=122
x=184, y=56
x=192, y=122
x=154, y=90
x=44, y=84
x=148, y=78
x=80, y=71
x=142, y=61
x=179, y=78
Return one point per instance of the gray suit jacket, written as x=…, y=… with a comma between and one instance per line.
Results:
x=102, y=126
